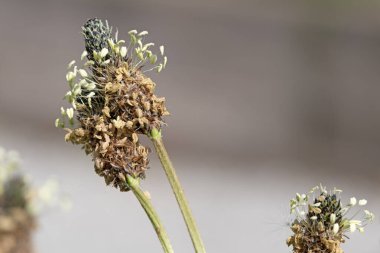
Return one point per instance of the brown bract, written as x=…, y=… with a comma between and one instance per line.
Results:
x=116, y=152
x=319, y=240
x=124, y=105
x=129, y=95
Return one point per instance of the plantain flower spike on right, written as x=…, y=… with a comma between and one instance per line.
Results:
x=113, y=101
x=321, y=221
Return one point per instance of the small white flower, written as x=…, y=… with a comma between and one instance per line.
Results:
x=63, y=112
x=302, y=213
x=106, y=62
x=140, y=55
x=57, y=121
x=153, y=59
x=111, y=43
x=316, y=204
x=70, y=113
x=90, y=86
x=143, y=33
x=162, y=50
x=362, y=202
x=89, y=63
x=70, y=64
x=103, y=52
x=123, y=51
x=332, y=218
x=83, y=73
x=70, y=76
x=83, y=83
x=132, y=32
x=353, y=201
x=336, y=228
x=159, y=68
x=77, y=90
x=314, y=218
x=83, y=55
x=116, y=49
x=166, y=61
x=146, y=46
x=352, y=228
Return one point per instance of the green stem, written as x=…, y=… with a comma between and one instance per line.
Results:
x=153, y=217
x=178, y=191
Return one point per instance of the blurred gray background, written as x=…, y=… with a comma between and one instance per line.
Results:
x=268, y=98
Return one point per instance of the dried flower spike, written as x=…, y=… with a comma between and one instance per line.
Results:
x=320, y=221
x=112, y=101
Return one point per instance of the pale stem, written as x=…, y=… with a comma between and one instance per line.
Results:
x=178, y=191
x=153, y=217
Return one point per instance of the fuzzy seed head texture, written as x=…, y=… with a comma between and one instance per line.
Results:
x=113, y=102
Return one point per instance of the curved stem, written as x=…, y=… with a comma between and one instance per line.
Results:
x=178, y=191
x=153, y=217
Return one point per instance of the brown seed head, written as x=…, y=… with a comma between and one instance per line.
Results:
x=114, y=102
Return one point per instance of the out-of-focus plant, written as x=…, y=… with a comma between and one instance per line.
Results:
x=321, y=221
x=20, y=204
